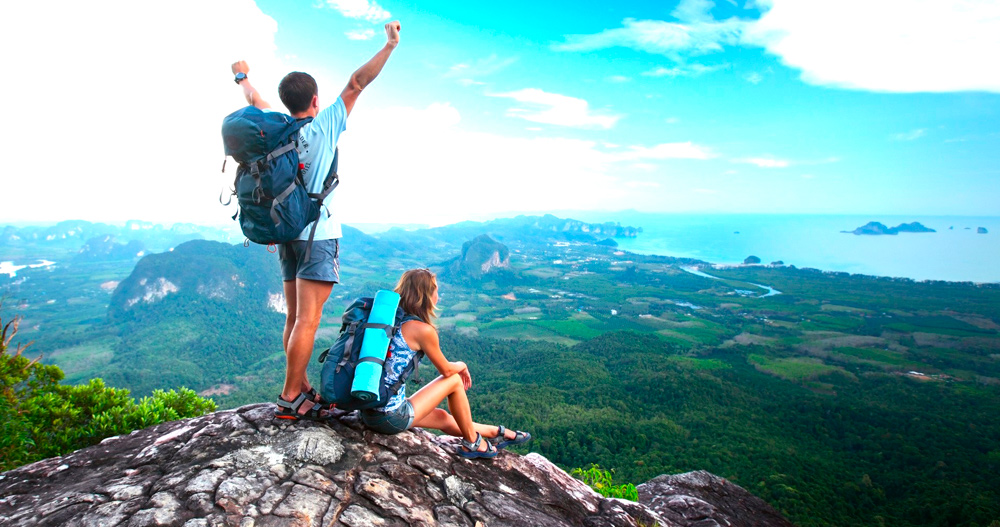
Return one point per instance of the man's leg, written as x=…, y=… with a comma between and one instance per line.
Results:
x=310, y=295
x=291, y=304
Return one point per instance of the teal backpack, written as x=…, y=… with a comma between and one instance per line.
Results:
x=342, y=360
x=274, y=205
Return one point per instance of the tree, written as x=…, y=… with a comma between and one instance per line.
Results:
x=40, y=418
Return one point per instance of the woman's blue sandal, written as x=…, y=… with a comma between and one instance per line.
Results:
x=502, y=442
x=471, y=450
x=290, y=409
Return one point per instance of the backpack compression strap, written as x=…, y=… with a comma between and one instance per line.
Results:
x=353, y=330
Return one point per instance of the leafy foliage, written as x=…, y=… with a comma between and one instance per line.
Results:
x=41, y=418
x=602, y=481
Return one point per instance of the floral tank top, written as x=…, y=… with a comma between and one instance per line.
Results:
x=400, y=357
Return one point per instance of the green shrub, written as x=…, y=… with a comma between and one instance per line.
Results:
x=602, y=481
x=41, y=418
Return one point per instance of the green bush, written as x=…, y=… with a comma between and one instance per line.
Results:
x=602, y=481
x=41, y=418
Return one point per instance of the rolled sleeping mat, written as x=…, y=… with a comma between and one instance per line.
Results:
x=374, y=345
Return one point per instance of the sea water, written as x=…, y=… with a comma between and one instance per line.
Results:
x=956, y=252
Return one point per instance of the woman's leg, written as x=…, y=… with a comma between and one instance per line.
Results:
x=459, y=422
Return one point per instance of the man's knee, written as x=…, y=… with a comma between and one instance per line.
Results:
x=306, y=323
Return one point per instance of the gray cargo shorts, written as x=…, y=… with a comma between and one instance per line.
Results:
x=323, y=264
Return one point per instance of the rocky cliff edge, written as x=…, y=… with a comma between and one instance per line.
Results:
x=244, y=468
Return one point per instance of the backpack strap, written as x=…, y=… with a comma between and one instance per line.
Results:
x=390, y=331
x=413, y=368
x=410, y=369
x=346, y=357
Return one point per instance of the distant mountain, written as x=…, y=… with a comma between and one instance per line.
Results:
x=200, y=270
x=195, y=316
x=518, y=232
x=876, y=229
x=74, y=234
x=356, y=244
x=480, y=256
x=106, y=248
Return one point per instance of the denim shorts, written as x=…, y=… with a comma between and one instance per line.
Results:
x=323, y=264
x=389, y=423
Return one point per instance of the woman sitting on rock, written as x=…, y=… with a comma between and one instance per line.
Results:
x=418, y=293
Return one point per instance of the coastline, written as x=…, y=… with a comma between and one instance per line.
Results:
x=815, y=242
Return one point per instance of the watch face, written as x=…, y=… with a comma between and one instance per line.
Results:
x=240, y=76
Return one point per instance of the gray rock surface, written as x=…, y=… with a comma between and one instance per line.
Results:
x=703, y=499
x=244, y=468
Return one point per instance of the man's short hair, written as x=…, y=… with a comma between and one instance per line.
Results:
x=296, y=91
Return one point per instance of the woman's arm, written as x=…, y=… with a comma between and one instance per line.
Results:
x=425, y=339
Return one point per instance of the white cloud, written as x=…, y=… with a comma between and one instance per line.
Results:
x=686, y=70
x=672, y=120
x=361, y=9
x=553, y=108
x=360, y=34
x=764, y=162
x=909, y=136
x=459, y=174
x=133, y=89
x=889, y=45
x=469, y=71
x=657, y=36
x=754, y=78
x=618, y=79
x=686, y=150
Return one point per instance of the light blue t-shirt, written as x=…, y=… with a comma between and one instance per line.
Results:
x=317, y=143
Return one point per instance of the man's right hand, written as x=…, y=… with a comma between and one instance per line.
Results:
x=392, y=30
x=240, y=66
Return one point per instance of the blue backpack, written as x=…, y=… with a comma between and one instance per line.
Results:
x=274, y=205
x=341, y=360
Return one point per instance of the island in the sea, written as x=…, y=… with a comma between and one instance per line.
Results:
x=876, y=228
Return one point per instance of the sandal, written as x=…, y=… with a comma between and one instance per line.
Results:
x=317, y=398
x=290, y=409
x=471, y=450
x=502, y=442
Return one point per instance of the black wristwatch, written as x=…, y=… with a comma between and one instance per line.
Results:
x=240, y=77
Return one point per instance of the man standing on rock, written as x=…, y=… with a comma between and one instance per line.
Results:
x=307, y=283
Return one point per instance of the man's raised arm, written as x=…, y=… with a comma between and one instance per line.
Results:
x=367, y=73
x=251, y=94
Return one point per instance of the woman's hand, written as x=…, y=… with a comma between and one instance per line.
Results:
x=464, y=374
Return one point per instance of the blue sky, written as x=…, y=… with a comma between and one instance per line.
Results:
x=490, y=109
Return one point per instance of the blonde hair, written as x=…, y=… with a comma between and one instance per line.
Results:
x=415, y=289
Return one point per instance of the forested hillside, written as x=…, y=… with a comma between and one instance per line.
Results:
x=840, y=399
